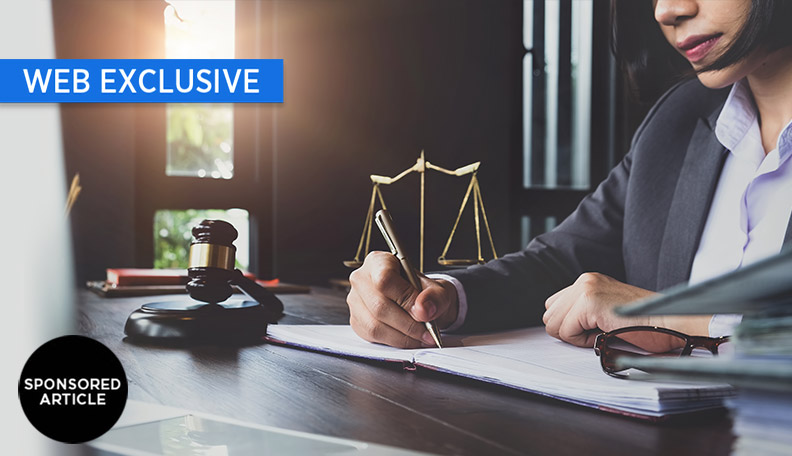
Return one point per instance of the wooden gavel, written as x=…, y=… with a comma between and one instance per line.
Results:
x=212, y=274
x=211, y=268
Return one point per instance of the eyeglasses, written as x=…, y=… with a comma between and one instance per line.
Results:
x=620, y=342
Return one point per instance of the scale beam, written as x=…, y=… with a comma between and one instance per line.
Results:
x=471, y=168
x=420, y=166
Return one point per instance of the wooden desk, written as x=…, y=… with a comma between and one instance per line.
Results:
x=378, y=402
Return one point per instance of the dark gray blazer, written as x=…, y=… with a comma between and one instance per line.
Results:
x=642, y=225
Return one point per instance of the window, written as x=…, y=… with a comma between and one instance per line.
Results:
x=557, y=93
x=200, y=136
x=567, y=70
x=196, y=161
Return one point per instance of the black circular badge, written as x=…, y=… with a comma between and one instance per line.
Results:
x=73, y=389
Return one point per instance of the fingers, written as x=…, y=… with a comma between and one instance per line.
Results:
x=552, y=299
x=371, y=311
x=565, y=317
x=567, y=324
x=380, y=300
x=554, y=317
x=558, y=304
x=573, y=331
x=381, y=276
x=375, y=331
x=431, y=302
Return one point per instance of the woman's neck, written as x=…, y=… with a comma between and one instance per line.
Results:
x=771, y=85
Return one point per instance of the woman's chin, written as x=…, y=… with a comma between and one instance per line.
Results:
x=718, y=79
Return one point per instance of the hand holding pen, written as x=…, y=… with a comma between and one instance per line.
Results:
x=386, y=308
x=385, y=224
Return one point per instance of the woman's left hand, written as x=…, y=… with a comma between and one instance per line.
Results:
x=582, y=310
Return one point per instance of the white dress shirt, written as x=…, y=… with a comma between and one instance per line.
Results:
x=752, y=202
x=750, y=209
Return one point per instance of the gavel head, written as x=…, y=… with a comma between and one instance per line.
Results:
x=212, y=258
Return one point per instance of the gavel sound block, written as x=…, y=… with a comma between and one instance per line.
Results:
x=209, y=317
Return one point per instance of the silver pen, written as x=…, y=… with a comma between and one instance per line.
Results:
x=385, y=224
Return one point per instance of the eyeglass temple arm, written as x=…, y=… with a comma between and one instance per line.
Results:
x=710, y=343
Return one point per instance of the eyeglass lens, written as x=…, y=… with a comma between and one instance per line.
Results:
x=663, y=344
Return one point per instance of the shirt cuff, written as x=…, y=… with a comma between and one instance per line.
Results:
x=461, y=297
x=723, y=324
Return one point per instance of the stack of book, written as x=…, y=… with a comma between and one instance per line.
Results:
x=763, y=412
x=123, y=282
x=760, y=368
x=761, y=365
x=768, y=336
x=762, y=421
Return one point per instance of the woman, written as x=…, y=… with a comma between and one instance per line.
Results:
x=705, y=189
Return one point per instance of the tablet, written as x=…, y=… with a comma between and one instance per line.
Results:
x=193, y=433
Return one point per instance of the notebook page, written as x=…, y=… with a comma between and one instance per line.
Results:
x=531, y=360
x=342, y=340
x=336, y=339
x=526, y=359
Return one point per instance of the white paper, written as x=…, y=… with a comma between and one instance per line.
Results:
x=526, y=359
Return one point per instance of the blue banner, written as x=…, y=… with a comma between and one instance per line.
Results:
x=141, y=81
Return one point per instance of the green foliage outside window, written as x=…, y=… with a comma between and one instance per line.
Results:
x=200, y=141
x=173, y=234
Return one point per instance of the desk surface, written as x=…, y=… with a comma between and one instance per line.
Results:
x=378, y=402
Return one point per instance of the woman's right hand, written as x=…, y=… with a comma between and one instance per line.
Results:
x=385, y=308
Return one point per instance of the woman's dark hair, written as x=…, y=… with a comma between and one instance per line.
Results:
x=651, y=64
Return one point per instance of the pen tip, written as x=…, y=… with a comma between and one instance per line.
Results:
x=436, y=336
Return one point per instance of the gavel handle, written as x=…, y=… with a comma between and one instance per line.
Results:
x=258, y=293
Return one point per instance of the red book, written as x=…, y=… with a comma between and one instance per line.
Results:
x=130, y=276
x=122, y=277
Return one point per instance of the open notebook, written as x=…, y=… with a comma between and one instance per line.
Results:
x=525, y=359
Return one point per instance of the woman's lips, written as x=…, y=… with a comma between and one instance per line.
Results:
x=698, y=46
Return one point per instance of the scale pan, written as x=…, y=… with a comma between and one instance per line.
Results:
x=456, y=262
x=354, y=264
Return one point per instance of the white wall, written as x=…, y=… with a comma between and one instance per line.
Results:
x=35, y=257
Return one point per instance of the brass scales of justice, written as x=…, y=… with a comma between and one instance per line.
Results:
x=420, y=166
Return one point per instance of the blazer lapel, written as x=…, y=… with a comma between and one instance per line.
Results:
x=690, y=206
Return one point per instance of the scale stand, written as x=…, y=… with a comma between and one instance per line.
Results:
x=420, y=166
